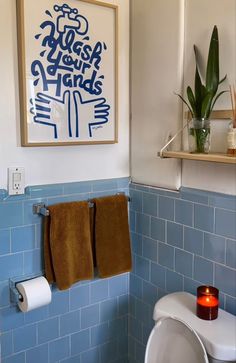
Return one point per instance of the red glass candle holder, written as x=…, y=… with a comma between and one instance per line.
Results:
x=207, y=302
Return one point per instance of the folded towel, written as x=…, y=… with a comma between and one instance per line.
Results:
x=112, y=239
x=67, y=244
x=48, y=264
x=92, y=234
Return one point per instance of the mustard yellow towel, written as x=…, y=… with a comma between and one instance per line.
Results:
x=49, y=272
x=112, y=239
x=67, y=244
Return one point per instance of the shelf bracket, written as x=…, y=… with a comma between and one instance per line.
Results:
x=216, y=115
x=160, y=153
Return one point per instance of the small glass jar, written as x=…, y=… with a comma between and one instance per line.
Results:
x=231, y=140
x=199, y=136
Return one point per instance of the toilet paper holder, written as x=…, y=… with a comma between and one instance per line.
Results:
x=15, y=295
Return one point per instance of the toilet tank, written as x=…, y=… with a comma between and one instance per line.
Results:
x=218, y=336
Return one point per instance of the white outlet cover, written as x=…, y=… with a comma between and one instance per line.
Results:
x=16, y=180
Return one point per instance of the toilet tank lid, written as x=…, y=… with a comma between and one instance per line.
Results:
x=218, y=336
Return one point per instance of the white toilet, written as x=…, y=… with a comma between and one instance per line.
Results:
x=179, y=336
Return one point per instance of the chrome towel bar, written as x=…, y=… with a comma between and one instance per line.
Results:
x=41, y=209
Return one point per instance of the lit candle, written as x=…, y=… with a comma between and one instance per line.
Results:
x=207, y=302
x=210, y=301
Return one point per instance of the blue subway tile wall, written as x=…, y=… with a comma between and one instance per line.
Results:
x=180, y=240
x=87, y=323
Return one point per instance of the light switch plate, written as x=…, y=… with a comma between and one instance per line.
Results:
x=16, y=180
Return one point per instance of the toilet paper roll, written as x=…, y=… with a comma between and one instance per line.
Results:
x=35, y=293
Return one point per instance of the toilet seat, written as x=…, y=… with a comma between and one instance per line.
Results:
x=173, y=341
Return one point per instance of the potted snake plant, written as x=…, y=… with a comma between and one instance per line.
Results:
x=202, y=99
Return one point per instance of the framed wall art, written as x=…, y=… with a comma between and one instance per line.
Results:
x=67, y=72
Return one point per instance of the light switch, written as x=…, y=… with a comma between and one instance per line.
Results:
x=16, y=181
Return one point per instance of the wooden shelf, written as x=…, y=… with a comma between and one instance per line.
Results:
x=217, y=157
x=215, y=115
x=213, y=157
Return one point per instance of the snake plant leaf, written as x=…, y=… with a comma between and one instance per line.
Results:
x=216, y=98
x=204, y=92
x=212, y=72
x=199, y=95
x=206, y=105
x=198, y=61
x=223, y=79
x=201, y=102
x=191, y=99
x=186, y=103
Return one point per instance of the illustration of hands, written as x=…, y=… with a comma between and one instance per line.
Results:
x=93, y=113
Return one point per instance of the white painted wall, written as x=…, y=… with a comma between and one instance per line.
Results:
x=58, y=164
x=157, y=65
x=157, y=71
x=200, y=17
x=157, y=22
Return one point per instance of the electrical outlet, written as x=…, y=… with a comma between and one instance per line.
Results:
x=16, y=181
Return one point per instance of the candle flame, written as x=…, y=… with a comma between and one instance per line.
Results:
x=207, y=290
